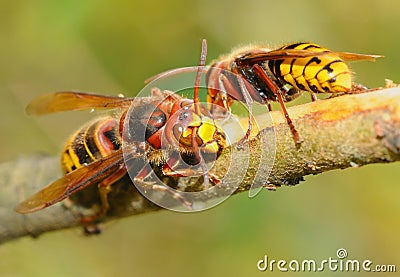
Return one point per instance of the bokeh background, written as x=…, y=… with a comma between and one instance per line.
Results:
x=110, y=47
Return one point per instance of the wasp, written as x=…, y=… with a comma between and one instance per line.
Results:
x=259, y=74
x=95, y=153
x=280, y=75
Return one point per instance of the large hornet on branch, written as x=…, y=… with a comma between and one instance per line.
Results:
x=94, y=155
x=259, y=74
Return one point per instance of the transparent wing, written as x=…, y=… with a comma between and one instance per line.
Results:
x=357, y=57
x=69, y=101
x=262, y=56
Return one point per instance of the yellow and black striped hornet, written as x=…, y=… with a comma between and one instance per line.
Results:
x=95, y=153
x=280, y=75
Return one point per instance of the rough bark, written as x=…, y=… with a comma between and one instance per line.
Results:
x=342, y=132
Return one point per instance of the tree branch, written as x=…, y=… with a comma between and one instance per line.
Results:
x=342, y=132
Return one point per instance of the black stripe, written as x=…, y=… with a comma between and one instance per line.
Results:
x=79, y=148
x=312, y=46
x=327, y=67
x=292, y=46
x=90, y=141
x=329, y=70
x=291, y=66
x=111, y=135
x=312, y=60
x=275, y=67
x=300, y=86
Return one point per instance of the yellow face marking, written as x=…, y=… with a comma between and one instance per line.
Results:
x=206, y=131
x=196, y=120
x=187, y=133
x=211, y=147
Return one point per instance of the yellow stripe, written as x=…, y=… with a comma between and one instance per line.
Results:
x=85, y=144
x=69, y=159
x=66, y=163
x=212, y=147
x=303, y=75
x=74, y=157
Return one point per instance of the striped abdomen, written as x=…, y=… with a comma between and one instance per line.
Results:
x=93, y=141
x=325, y=73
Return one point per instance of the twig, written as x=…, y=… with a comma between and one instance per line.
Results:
x=341, y=132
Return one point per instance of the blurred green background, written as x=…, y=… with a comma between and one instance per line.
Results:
x=110, y=47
